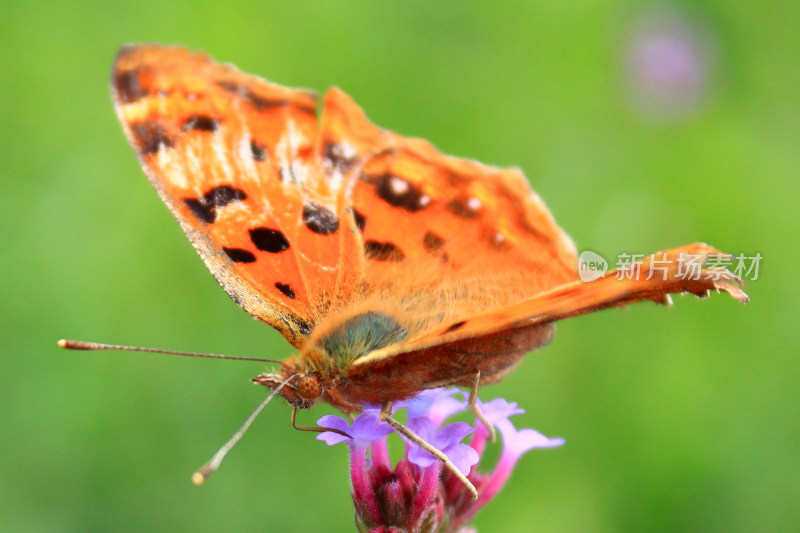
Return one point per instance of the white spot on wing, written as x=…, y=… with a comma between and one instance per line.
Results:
x=398, y=186
x=222, y=154
x=346, y=151
x=299, y=172
x=174, y=171
x=286, y=151
x=247, y=170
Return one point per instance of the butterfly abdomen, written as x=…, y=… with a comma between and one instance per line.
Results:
x=403, y=375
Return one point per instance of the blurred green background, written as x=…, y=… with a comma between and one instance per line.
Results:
x=644, y=126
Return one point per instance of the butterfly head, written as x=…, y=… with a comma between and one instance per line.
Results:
x=319, y=371
x=303, y=388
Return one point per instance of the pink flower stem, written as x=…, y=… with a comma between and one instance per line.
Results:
x=363, y=492
x=380, y=454
x=496, y=480
x=478, y=441
x=489, y=489
x=427, y=488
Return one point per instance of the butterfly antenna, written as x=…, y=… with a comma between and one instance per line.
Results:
x=83, y=345
x=199, y=477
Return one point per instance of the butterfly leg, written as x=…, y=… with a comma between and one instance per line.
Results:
x=317, y=429
x=476, y=410
x=402, y=429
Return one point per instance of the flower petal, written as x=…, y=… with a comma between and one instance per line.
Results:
x=453, y=433
x=464, y=457
x=369, y=427
x=420, y=457
x=447, y=440
x=517, y=442
x=334, y=422
x=499, y=409
x=436, y=404
x=424, y=427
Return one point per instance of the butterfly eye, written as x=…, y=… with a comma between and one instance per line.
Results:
x=309, y=388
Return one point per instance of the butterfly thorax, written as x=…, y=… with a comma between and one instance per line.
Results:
x=318, y=368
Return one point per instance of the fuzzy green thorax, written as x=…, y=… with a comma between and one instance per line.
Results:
x=360, y=335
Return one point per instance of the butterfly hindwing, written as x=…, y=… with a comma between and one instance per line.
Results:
x=442, y=238
x=526, y=322
x=422, y=212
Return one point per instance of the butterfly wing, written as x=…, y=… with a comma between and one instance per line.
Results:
x=475, y=246
x=498, y=337
x=419, y=208
x=235, y=158
x=443, y=237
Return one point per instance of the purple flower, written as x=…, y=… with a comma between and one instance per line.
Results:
x=447, y=440
x=515, y=444
x=365, y=429
x=436, y=404
x=669, y=62
x=419, y=495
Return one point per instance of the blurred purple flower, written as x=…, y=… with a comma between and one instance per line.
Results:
x=419, y=495
x=668, y=59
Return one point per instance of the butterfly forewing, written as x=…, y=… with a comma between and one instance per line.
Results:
x=233, y=157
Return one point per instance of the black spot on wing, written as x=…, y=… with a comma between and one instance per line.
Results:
x=127, y=87
x=200, y=123
x=334, y=155
x=269, y=240
x=261, y=103
x=399, y=192
x=258, y=150
x=205, y=207
x=360, y=219
x=455, y=326
x=432, y=242
x=206, y=213
x=150, y=137
x=223, y=195
x=320, y=219
x=465, y=207
x=239, y=255
x=286, y=290
x=383, y=251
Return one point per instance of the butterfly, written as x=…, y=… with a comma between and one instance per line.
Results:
x=391, y=267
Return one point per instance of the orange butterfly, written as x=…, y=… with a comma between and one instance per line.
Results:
x=391, y=267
